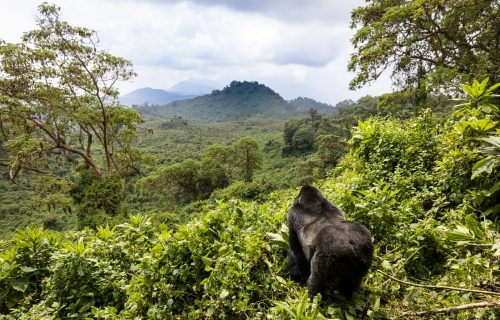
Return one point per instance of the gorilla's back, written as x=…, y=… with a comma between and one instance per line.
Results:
x=344, y=251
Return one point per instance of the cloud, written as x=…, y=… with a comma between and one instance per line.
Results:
x=187, y=38
x=308, y=45
x=299, y=11
x=299, y=48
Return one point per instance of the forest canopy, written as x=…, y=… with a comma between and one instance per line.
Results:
x=57, y=102
x=426, y=43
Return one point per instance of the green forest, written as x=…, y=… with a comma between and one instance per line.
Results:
x=179, y=211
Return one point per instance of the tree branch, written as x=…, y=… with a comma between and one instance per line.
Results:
x=439, y=287
x=37, y=170
x=60, y=145
x=42, y=126
x=484, y=304
x=402, y=265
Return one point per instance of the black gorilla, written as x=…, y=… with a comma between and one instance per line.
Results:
x=324, y=248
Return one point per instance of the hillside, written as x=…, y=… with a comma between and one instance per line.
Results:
x=304, y=104
x=152, y=96
x=399, y=179
x=237, y=101
x=171, y=143
x=168, y=142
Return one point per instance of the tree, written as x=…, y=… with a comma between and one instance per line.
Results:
x=221, y=154
x=291, y=127
x=211, y=176
x=330, y=149
x=58, y=102
x=315, y=115
x=303, y=139
x=247, y=157
x=178, y=182
x=425, y=42
x=98, y=200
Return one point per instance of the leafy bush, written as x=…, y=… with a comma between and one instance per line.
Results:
x=409, y=182
x=303, y=139
x=254, y=190
x=99, y=201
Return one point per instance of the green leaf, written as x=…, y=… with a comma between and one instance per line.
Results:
x=485, y=165
x=20, y=284
x=492, y=88
x=460, y=233
x=386, y=265
x=284, y=306
x=210, y=311
x=278, y=239
x=492, y=211
x=224, y=294
x=348, y=316
x=302, y=305
x=27, y=269
x=496, y=248
x=376, y=305
x=469, y=90
x=493, y=140
x=483, y=85
x=473, y=224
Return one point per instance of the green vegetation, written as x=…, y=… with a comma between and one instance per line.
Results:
x=428, y=44
x=191, y=180
x=237, y=101
x=409, y=181
x=304, y=104
x=98, y=201
x=170, y=141
x=58, y=116
x=55, y=91
x=177, y=219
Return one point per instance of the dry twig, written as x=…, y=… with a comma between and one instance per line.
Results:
x=484, y=304
x=439, y=287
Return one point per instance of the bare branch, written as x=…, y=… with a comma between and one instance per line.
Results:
x=484, y=304
x=439, y=287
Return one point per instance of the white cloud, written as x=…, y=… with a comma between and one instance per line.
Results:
x=294, y=11
x=298, y=48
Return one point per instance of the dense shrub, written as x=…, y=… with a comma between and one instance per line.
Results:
x=99, y=201
x=303, y=139
x=408, y=182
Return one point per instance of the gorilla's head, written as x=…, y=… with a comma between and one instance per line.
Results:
x=312, y=200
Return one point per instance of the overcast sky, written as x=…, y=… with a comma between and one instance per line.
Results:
x=296, y=47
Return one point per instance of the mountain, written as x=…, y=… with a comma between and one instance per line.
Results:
x=237, y=101
x=152, y=96
x=196, y=87
x=304, y=104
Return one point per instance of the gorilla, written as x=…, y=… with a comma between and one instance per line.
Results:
x=324, y=248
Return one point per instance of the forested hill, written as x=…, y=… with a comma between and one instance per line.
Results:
x=237, y=101
x=304, y=104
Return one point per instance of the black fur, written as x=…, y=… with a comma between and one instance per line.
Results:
x=325, y=249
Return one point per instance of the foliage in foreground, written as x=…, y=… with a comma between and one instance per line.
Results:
x=409, y=182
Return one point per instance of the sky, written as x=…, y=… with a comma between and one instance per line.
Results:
x=296, y=47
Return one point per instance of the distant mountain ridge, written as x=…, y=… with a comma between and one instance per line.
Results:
x=196, y=87
x=304, y=104
x=152, y=96
x=183, y=90
x=237, y=101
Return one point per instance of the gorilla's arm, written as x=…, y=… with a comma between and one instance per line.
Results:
x=297, y=263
